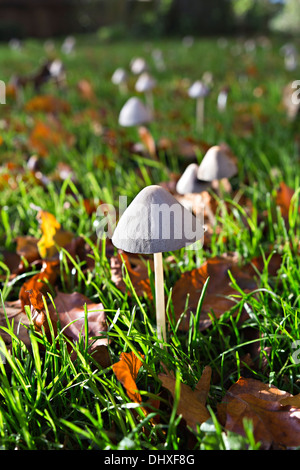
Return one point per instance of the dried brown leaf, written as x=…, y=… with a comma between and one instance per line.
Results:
x=219, y=291
x=274, y=413
x=192, y=403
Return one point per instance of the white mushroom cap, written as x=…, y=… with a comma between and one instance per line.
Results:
x=119, y=76
x=216, y=164
x=145, y=83
x=189, y=183
x=138, y=65
x=56, y=68
x=134, y=113
x=156, y=222
x=198, y=90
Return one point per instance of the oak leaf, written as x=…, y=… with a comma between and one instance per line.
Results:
x=274, y=414
x=192, y=402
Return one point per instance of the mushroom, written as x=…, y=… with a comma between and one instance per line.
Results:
x=145, y=84
x=199, y=91
x=217, y=164
x=134, y=113
x=189, y=183
x=119, y=78
x=222, y=98
x=138, y=65
x=155, y=222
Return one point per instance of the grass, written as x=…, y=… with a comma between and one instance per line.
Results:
x=47, y=400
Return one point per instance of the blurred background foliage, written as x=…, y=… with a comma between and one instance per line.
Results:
x=154, y=18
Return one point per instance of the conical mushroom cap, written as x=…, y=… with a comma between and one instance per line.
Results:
x=216, y=164
x=198, y=90
x=119, y=76
x=156, y=222
x=138, y=65
x=134, y=113
x=189, y=183
x=145, y=83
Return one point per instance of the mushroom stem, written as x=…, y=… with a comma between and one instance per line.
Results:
x=123, y=88
x=200, y=113
x=149, y=101
x=160, y=297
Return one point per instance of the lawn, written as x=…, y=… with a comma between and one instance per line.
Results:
x=227, y=377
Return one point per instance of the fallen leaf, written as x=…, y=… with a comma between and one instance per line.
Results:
x=283, y=199
x=276, y=421
x=192, y=402
x=17, y=318
x=138, y=274
x=47, y=104
x=12, y=261
x=41, y=282
x=217, y=297
x=27, y=248
x=53, y=236
x=148, y=140
x=126, y=371
x=46, y=137
x=71, y=310
x=86, y=90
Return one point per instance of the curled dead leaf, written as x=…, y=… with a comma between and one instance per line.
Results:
x=41, y=282
x=126, y=371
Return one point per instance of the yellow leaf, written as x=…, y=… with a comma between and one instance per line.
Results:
x=53, y=236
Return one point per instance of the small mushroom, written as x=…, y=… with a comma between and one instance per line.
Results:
x=222, y=99
x=199, y=91
x=155, y=222
x=134, y=113
x=217, y=164
x=145, y=84
x=138, y=65
x=189, y=183
x=120, y=78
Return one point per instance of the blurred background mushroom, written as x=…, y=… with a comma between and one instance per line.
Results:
x=145, y=84
x=120, y=78
x=199, y=91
